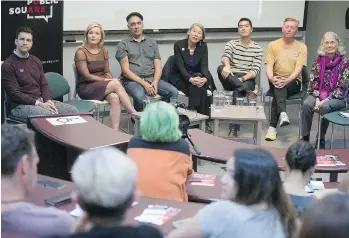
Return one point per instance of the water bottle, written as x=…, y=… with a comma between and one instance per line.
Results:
x=218, y=101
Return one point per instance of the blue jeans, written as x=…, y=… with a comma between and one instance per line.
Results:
x=137, y=92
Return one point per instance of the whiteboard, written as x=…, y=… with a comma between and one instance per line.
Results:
x=180, y=14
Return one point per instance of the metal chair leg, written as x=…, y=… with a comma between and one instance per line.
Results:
x=319, y=132
x=299, y=119
x=332, y=136
x=345, y=139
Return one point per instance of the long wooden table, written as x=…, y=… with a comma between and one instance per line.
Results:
x=59, y=145
x=189, y=209
x=219, y=150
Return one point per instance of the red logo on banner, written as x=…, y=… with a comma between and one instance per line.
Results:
x=36, y=9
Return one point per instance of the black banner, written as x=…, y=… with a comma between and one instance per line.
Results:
x=45, y=18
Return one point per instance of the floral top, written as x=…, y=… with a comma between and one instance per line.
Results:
x=341, y=90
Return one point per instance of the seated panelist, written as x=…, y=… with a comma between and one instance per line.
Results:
x=25, y=84
x=193, y=77
x=95, y=81
x=162, y=156
x=140, y=63
x=328, y=84
x=284, y=61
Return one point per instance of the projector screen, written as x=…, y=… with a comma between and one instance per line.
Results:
x=164, y=14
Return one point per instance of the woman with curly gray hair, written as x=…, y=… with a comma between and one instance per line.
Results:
x=328, y=84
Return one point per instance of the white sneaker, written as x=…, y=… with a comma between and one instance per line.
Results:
x=271, y=134
x=284, y=121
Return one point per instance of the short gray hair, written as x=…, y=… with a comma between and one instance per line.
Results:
x=341, y=47
x=105, y=177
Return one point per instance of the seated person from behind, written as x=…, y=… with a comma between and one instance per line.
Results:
x=255, y=203
x=193, y=77
x=105, y=181
x=328, y=84
x=300, y=165
x=25, y=84
x=284, y=61
x=140, y=63
x=242, y=60
x=95, y=80
x=162, y=156
x=19, y=162
x=327, y=218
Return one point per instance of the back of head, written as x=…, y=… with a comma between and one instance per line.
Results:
x=105, y=180
x=327, y=218
x=258, y=180
x=16, y=141
x=301, y=156
x=160, y=123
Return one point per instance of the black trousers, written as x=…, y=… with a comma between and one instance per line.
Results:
x=232, y=83
x=198, y=98
x=280, y=95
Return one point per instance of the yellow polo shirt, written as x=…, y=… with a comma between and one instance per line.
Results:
x=285, y=58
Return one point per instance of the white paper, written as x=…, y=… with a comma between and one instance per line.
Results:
x=345, y=114
x=59, y=121
x=78, y=212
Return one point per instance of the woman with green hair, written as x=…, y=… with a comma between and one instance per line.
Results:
x=162, y=156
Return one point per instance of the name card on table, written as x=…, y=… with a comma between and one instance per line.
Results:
x=59, y=121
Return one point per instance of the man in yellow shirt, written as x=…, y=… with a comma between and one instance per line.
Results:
x=284, y=62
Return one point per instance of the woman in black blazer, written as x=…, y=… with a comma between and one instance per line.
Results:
x=191, y=74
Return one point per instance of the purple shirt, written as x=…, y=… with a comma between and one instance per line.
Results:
x=24, y=80
x=31, y=220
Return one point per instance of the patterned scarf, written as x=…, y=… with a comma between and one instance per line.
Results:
x=325, y=63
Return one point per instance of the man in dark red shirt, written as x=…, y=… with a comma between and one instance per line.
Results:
x=25, y=84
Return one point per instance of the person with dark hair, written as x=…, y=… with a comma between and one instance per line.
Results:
x=327, y=218
x=19, y=161
x=241, y=63
x=191, y=74
x=140, y=63
x=25, y=84
x=105, y=181
x=300, y=165
x=256, y=204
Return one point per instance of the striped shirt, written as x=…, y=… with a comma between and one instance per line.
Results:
x=244, y=59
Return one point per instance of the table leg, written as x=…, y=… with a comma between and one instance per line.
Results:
x=258, y=133
x=215, y=126
x=203, y=125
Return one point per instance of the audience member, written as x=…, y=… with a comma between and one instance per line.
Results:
x=162, y=156
x=328, y=85
x=192, y=76
x=95, y=81
x=242, y=60
x=105, y=181
x=284, y=61
x=257, y=205
x=300, y=165
x=140, y=63
x=19, y=161
x=327, y=218
x=25, y=84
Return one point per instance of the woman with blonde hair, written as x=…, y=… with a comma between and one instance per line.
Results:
x=191, y=74
x=95, y=81
x=328, y=84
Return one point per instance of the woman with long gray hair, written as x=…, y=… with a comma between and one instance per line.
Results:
x=328, y=84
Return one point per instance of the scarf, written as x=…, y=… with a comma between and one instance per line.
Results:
x=325, y=63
